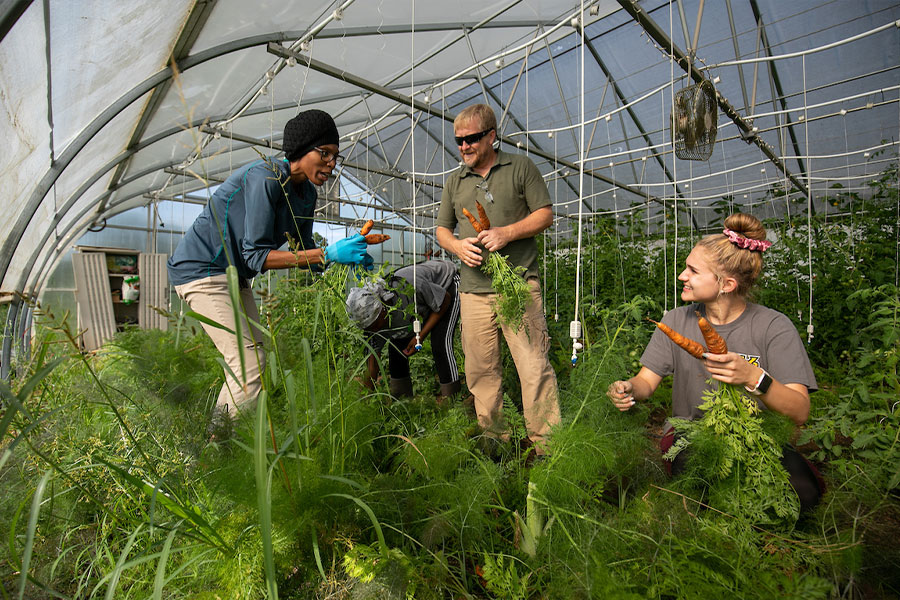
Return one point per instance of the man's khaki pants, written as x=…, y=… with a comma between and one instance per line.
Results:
x=209, y=297
x=484, y=370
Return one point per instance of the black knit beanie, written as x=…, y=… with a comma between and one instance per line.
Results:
x=307, y=130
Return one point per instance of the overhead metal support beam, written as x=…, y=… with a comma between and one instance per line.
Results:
x=478, y=69
x=211, y=178
x=279, y=50
x=660, y=37
x=737, y=54
x=10, y=11
x=559, y=89
x=185, y=198
x=346, y=164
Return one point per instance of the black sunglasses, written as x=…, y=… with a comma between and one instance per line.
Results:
x=472, y=137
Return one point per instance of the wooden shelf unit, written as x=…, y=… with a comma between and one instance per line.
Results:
x=100, y=273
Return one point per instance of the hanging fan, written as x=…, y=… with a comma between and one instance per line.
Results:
x=693, y=121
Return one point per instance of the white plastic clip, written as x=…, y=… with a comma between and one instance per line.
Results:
x=417, y=329
x=575, y=334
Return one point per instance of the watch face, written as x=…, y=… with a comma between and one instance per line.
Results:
x=764, y=383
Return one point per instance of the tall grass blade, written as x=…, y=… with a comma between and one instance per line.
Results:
x=160, y=579
x=8, y=451
x=317, y=554
x=29, y=533
x=264, y=495
x=234, y=290
x=381, y=542
x=13, y=525
x=35, y=379
x=207, y=321
x=120, y=564
x=340, y=479
x=185, y=511
x=310, y=378
x=14, y=405
x=290, y=391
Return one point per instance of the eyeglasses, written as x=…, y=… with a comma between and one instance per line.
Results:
x=488, y=196
x=328, y=156
x=472, y=137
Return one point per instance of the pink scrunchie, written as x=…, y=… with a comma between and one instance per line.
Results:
x=744, y=242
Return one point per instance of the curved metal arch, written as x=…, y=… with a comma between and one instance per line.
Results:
x=103, y=119
x=101, y=172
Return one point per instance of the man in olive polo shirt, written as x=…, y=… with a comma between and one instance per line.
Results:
x=516, y=200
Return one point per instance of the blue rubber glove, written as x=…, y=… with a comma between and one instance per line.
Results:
x=348, y=251
x=367, y=264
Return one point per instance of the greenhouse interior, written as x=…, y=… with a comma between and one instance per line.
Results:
x=198, y=410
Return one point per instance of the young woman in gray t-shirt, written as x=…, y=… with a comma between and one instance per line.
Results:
x=766, y=355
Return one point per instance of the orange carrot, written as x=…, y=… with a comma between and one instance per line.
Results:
x=377, y=238
x=693, y=348
x=475, y=224
x=482, y=216
x=367, y=227
x=714, y=341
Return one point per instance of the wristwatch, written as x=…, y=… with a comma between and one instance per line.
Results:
x=762, y=384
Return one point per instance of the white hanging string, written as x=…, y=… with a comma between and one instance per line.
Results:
x=665, y=223
x=809, y=207
x=443, y=145
x=417, y=325
x=674, y=162
x=612, y=175
x=786, y=181
x=769, y=199
x=897, y=225
x=556, y=231
x=594, y=220
x=575, y=324
x=849, y=195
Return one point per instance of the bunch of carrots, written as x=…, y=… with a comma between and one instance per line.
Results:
x=714, y=341
x=512, y=290
x=373, y=238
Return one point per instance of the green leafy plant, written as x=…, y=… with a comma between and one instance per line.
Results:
x=502, y=578
x=749, y=459
x=513, y=293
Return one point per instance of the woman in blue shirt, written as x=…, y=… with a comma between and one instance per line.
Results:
x=249, y=217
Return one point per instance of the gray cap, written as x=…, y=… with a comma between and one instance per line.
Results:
x=364, y=303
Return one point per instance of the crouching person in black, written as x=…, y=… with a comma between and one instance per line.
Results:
x=386, y=310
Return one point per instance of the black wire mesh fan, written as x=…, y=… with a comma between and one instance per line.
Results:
x=694, y=121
